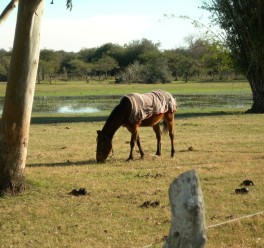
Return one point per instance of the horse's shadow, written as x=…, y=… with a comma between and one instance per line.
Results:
x=63, y=164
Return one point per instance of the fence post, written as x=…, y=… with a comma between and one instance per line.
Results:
x=187, y=213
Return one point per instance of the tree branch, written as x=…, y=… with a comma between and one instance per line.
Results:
x=7, y=10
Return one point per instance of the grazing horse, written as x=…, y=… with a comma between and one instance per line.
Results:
x=134, y=111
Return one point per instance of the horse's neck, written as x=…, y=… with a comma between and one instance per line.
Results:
x=110, y=128
x=114, y=121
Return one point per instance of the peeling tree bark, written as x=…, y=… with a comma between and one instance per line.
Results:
x=15, y=123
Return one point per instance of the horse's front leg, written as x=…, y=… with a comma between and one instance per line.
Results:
x=132, y=145
x=133, y=140
x=141, y=151
x=156, y=129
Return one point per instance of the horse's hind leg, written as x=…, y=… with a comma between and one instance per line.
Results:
x=156, y=129
x=169, y=119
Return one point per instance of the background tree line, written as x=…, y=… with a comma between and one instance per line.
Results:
x=140, y=61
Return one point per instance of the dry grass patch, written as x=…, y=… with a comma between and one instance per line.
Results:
x=225, y=151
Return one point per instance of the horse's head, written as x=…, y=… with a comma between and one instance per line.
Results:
x=104, y=146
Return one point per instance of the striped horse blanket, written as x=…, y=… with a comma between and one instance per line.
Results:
x=148, y=104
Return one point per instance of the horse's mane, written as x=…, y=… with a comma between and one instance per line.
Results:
x=117, y=117
x=114, y=113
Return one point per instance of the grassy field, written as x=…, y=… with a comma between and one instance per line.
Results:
x=102, y=88
x=227, y=149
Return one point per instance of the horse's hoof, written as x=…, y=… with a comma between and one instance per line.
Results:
x=129, y=159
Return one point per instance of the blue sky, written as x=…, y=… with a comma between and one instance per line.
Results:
x=94, y=23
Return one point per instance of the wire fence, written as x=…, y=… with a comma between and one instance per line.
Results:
x=216, y=225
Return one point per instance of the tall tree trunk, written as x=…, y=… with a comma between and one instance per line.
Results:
x=256, y=81
x=15, y=123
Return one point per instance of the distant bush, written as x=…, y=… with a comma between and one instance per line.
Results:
x=139, y=73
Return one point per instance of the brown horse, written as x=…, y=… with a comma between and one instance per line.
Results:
x=134, y=111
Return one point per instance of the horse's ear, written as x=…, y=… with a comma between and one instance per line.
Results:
x=98, y=132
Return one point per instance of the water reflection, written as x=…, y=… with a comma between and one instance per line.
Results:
x=70, y=110
x=94, y=104
x=74, y=105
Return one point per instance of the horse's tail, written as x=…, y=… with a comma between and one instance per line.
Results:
x=165, y=127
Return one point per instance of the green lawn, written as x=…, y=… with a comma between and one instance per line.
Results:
x=106, y=88
x=227, y=148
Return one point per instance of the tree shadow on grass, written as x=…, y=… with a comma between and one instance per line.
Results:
x=207, y=114
x=76, y=119
x=66, y=119
x=66, y=163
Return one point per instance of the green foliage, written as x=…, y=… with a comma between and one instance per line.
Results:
x=105, y=64
x=79, y=66
x=4, y=64
x=243, y=22
x=141, y=60
x=49, y=61
x=87, y=55
x=133, y=73
x=153, y=68
x=157, y=67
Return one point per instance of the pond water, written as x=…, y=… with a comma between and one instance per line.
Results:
x=93, y=104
